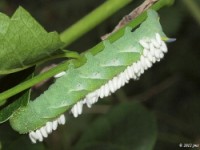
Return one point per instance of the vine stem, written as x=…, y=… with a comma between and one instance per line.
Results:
x=91, y=20
x=86, y=21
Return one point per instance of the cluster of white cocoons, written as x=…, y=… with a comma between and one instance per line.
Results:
x=43, y=132
x=153, y=51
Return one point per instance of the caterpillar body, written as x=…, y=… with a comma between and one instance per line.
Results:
x=101, y=75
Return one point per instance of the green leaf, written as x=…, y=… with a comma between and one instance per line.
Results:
x=7, y=111
x=127, y=126
x=24, y=42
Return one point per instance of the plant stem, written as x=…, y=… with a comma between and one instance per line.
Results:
x=27, y=84
x=193, y=8
x=67, y=54
x=87, y=23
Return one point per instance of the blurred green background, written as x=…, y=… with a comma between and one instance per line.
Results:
x=160, y=111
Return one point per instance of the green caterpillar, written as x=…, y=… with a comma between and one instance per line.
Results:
x=101, y=75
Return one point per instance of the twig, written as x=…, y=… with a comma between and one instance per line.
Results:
x=126, y=19
x=107, y=9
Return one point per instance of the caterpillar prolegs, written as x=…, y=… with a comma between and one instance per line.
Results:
x=101, y=75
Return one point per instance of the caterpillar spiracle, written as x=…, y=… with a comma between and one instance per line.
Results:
x=101, y=75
